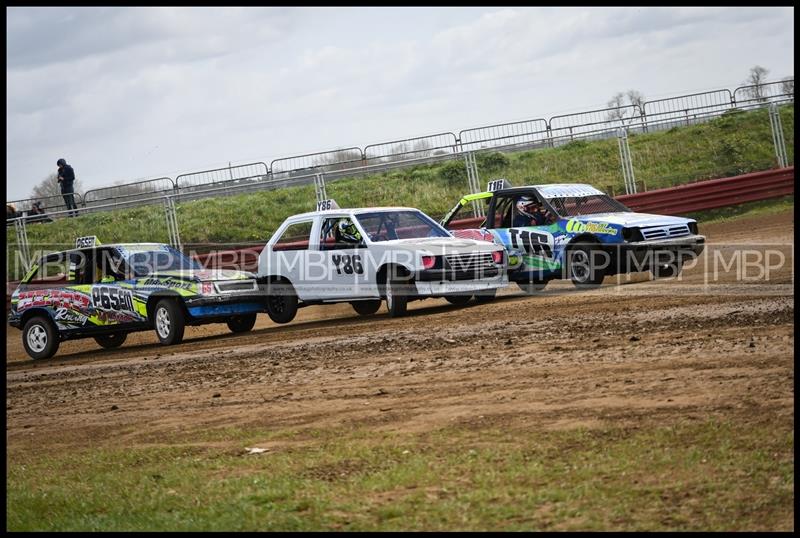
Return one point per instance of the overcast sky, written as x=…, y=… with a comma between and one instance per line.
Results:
x=132, y=93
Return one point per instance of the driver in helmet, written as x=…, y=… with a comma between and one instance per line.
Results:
x=346, y=232
x=529, y=213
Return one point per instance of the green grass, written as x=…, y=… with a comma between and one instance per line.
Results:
x=688, y=475
x=732, y=144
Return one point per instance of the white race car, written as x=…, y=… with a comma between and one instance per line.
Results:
x=365, y=255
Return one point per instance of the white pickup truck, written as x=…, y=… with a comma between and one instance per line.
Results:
x=365, y=255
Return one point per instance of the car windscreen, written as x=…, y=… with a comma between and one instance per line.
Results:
x=574, y=206
x=147, y=262
x=389, y=225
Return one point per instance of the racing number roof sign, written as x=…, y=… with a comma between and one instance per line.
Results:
x=86, y=241
x=327, y=204
x=498, y=184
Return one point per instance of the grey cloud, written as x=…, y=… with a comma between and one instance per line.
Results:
x=37, y=37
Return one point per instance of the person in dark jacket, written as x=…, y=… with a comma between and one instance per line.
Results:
x=66, y=176
x=37, y=213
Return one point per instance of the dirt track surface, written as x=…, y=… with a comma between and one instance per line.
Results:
x=637, y=351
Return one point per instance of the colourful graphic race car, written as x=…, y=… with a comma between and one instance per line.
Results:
x=577, y=232
x=107, y=291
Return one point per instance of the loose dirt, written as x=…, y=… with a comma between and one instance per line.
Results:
x=636, y=350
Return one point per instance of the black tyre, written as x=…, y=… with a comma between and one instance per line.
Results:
x=242, y=323
x=586, y=267
x=169, y=321
x=396, y=293
x=110, y=341
x=457, y=300
x=281, y=302
x=532, y=287
x=366, y=308
x=40, y=337
x=486, y=296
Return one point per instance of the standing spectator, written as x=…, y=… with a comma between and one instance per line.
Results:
x=11, y=211
x=66, y=176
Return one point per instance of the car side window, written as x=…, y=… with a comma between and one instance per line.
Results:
x=294, y=237
x=502, y=212
x=108, y=266
x=339, y=233
x=62, y=269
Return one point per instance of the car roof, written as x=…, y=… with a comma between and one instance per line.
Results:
x=352, y=211
x=104, y=246
x=555, y=190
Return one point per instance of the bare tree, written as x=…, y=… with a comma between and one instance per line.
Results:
x=756, y=79
x=636, y=98
x=616, y=103
x=340, y=159
x=787, y=86
x=49, y=191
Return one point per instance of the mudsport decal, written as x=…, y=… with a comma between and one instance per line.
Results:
x=169, y=284
x=576, y=226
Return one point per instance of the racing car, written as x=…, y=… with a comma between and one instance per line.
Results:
x=365, y=255
x=577, y=232
x=107, y=291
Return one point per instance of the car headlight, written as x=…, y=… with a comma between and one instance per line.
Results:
x=632, y=234
x=693, y=228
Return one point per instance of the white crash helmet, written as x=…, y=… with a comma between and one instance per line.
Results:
x=526, y=205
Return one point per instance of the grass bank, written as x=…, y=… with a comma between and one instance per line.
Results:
x=712, y=475
x=735, y=143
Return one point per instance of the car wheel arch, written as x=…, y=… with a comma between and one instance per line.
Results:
x=38, y=311
x=152, y=301
x=384, y=270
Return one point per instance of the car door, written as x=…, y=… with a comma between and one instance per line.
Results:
x=112, y=298
x=344, y=255
x=533, y=243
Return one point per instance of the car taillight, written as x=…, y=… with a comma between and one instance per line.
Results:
x=428, y=262
x=207, y=288
x=497, y=256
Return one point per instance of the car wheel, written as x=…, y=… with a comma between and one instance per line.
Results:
x=457, y=300
x=532, y=287
x=281, y=302
x=40, y=338
x=583, y=270
x=110, y=341
x=396, y=295
x=169, y=322
x=242, y=323
x=486, y=296
x=366, y=308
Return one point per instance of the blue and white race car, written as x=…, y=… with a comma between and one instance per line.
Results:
x=577, y=232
